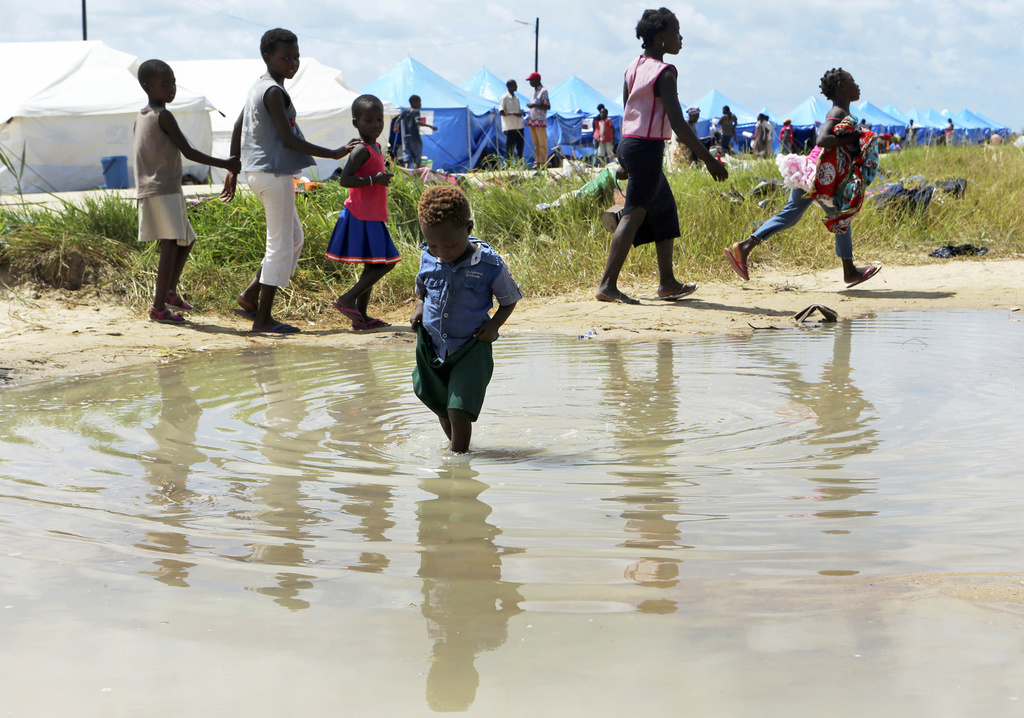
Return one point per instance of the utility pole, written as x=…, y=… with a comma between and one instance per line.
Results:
x=536, y=42
x=85, y=30
x=536, y=46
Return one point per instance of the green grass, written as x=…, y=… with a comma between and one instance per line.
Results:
x=557, y=251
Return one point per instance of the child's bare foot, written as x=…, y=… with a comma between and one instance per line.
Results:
x=860, y=275
x=676, y=291
x=613, y=295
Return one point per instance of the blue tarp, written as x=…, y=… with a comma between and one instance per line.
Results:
x=878, y=119
x=711, y=105
x=467, y=123
x=572, y=102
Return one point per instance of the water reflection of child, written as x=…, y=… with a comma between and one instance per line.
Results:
x=361, y=234
x=458, y=278
x=838, y=86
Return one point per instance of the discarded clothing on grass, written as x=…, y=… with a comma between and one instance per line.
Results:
x=916, y=193
x=961, y=250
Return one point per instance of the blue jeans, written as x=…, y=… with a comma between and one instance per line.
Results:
x=791, y=214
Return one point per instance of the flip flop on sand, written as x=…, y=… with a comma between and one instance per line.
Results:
x=354, y=314
x=737, y=266
x=685, y=291
x=869, y=272
x=370, y=323
x=178, y=303
x=245, y=313
x=279, y=328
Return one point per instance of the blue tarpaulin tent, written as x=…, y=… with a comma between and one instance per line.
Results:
x=806, y=118
x=996, y=127
x=573, y=101
x=711, y=105
x=878, y=119
x=977, y=129
x=491, y=87
x=467, y=124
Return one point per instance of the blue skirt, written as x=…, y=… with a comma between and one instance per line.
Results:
x=356, y=241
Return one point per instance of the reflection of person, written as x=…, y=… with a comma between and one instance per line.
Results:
x=465, y=602
x=459, y=278
x=652, y=113
x=838, y=136
x=604, y=136
x=728, y=125
x=537, y=121
x=361, y=233
x=512, y=121
x=273, y=150
x=410, y=122
x=167, y=466
x=159, y=145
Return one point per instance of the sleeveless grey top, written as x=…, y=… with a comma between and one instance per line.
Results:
x=262, y=148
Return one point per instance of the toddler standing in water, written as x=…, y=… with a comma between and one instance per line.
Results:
x=361, y=234
x=158, y=147
x=273, y=150
x=458, y=279
x=835, y=173
x=652, y=113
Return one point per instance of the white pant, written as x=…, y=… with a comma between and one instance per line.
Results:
x=284, y=231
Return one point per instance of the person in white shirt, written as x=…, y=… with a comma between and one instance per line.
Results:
x=512, y=121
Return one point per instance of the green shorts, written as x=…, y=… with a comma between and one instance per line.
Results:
x=458, y=382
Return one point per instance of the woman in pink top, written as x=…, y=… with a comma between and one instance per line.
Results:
x=652, y=113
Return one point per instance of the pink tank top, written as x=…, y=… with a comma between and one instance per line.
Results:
x=644, y=115
x=369, y=203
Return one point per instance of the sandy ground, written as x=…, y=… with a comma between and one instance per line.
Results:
x=45, y=334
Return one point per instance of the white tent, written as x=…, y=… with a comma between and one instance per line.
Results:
x=321, y=96
x=70, y=105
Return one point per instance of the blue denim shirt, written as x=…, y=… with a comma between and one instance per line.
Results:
x=457, y=298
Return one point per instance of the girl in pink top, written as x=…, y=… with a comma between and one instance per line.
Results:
x=651, y=114
x=361, y=234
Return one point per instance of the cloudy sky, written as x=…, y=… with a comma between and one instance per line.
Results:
x=913, y=53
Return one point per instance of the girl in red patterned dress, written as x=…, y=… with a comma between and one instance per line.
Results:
x=835, y=174
x=361, y=234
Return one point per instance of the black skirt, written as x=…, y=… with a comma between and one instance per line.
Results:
x=648, y=188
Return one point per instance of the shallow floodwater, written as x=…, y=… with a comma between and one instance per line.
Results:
x=789, y=523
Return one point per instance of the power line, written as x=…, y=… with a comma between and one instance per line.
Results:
x=399, y=46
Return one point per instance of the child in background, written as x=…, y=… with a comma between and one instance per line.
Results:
x=604, y=136
x=459, y=275
x=159, y=145
x=361, y=234
x=652, y=113
x=835, y=173
x=273, y=150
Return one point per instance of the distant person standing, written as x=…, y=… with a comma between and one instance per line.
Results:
x=786, y=137
x=512, y=121
x=538, y=119
x=950, y=130
x=728, y=127
x=762, y=143
x=604, y=136
x=911, y=134
x=412, y=144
